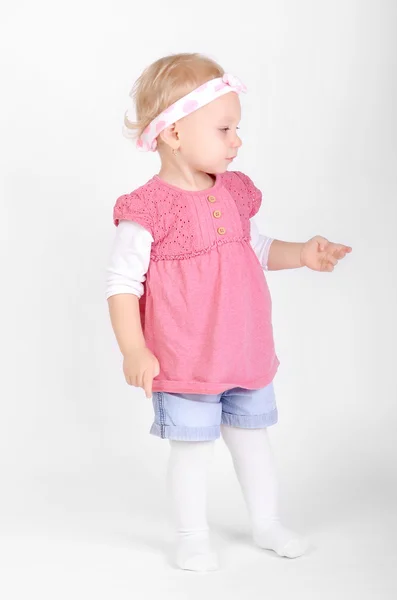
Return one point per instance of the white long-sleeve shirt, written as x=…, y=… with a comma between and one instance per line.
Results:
x=130, y=257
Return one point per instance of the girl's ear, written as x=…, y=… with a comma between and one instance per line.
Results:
x=170, y=136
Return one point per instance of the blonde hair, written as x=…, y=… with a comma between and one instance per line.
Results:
x=164, y=82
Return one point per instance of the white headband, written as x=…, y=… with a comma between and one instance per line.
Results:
x=199, y=97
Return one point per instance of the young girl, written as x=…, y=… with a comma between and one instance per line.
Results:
x=189, y=303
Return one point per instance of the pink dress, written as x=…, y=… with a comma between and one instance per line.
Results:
x=206, y=309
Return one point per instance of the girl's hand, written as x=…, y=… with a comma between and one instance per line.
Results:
x=140, y=367
x=321, y=255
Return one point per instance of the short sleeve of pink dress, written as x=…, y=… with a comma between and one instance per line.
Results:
x=133, y=207
x=206, y=308
x=254, y=194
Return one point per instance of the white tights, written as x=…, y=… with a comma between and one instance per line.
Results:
x=187, y=488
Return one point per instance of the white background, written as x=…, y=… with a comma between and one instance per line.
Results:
x=83, y=507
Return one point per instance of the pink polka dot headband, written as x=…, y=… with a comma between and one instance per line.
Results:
x=204, y=94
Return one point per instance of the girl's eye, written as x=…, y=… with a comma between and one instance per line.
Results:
x=227, y=128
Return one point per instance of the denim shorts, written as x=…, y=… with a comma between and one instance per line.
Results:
x=197, y=417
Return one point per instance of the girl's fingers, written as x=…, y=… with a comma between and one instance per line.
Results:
x=147, y=383
x=331, y=259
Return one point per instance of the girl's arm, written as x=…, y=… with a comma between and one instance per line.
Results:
x=261, y=244
x=126, y=322
x=126, y=273
x=285, y=255
x=275, y=254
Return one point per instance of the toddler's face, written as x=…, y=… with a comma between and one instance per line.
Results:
x=208, y=137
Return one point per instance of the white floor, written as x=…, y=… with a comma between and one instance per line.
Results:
x=95, y=535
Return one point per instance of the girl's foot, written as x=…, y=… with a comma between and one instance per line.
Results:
x=280, y=539
x=194, y=552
